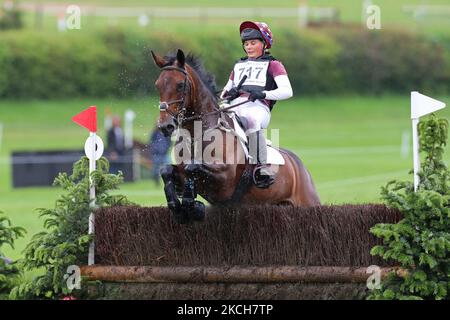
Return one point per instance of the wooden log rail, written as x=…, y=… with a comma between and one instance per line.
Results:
x=234, y=274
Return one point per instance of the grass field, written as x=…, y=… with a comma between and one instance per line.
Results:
x=351, y=145
x=392, y=15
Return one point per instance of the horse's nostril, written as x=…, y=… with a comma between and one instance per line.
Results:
x=167, y=130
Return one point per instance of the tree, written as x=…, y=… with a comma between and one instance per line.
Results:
x=8, y=270
x=420, y=242
x=66, y=241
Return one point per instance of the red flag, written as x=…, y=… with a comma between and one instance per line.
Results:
x=87, y=119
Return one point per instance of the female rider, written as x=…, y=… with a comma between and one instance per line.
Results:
x=266, y=82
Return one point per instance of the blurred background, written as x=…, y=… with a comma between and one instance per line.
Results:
x=348, y=120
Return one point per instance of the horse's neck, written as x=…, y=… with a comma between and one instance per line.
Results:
x=207, y=108
x=204, y=105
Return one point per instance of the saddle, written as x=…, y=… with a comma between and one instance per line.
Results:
x=240, y=127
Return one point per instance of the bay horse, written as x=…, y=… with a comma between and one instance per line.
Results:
x=187, y=93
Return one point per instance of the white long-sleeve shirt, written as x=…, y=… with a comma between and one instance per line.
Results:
x=275, y=69
x=284, y=90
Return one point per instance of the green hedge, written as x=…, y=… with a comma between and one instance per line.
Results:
x=10, y=18
x=118, y=63
x=37, y=65
x=393, y=61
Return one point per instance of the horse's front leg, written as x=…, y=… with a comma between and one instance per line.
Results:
x=193, y=208
x=170, y=176
x=214, y=182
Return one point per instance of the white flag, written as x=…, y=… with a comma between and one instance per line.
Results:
x=422, y=105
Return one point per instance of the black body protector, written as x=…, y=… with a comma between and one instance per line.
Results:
x=258, y=77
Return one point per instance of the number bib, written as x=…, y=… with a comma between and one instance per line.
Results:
x=256, y=72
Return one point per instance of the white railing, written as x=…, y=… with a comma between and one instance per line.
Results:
x=423, y=11
x=303, y=13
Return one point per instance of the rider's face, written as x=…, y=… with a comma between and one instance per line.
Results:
x=254, y=48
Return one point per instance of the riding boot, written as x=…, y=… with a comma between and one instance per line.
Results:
x=263, y=177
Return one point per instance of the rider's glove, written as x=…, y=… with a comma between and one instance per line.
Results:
x=232, y=94
x=223, y=104
x=256, y=95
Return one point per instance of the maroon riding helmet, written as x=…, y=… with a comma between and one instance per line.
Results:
x=256, y=30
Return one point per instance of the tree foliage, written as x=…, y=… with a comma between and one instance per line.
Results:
x=65, y=241
x=8, y=269
x=420, y=242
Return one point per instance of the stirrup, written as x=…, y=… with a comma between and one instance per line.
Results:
x=262, y=181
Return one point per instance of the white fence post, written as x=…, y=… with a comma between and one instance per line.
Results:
x=1, y=135
x=303, y=14
x=129, y=118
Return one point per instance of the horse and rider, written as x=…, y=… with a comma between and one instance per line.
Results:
x=187, y=96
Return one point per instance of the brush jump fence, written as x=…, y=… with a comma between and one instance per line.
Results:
x=258, y=252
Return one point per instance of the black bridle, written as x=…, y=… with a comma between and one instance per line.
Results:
x=179, y=116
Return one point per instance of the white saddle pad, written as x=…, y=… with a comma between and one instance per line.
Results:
x=273, y=155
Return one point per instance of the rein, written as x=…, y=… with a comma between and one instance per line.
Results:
x=180, y=115
x=199, y=116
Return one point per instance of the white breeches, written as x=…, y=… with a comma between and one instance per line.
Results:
x=256, y=113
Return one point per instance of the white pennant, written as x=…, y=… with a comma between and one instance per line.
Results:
x=422, y=105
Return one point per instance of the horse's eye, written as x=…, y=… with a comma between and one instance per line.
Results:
x=180, y=87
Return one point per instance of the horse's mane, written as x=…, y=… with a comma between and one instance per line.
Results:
x=194, y=62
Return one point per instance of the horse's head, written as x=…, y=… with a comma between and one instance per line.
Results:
x=174, y=87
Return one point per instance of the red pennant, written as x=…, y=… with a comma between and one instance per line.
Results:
x=87, y=119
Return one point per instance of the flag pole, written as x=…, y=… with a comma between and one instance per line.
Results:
x=92, y=167
x=416, y=157
x=93, y=149
x=421, y=105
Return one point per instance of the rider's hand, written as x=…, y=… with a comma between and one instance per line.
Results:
x=232, y=94
x=256, y=95
x=223, y=104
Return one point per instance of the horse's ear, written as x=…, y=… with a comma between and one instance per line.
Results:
x=159, y=61
x=181, y=59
